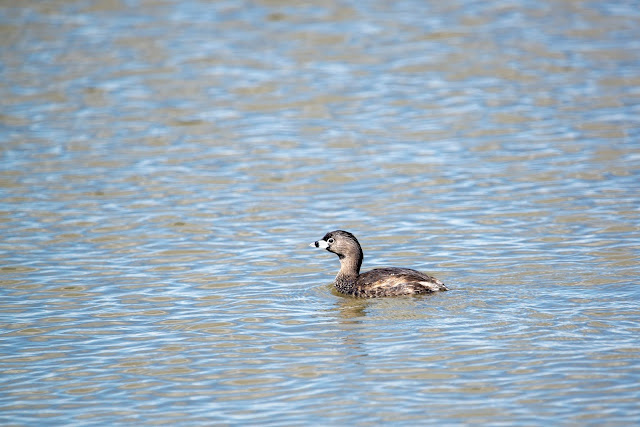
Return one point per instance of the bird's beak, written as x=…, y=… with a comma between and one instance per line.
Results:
x=319, y=244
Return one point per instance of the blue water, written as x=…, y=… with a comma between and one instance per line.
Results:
x=166, y=164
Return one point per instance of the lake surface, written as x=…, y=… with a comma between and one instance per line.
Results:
x=165, y=164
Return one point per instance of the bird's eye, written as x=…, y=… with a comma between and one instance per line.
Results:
x=330, y=240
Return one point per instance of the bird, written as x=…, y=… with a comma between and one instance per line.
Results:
x=379, y=282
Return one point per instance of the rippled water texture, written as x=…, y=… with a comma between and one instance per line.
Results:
x=166, y=163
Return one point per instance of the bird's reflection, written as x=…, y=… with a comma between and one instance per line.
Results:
x=351, y=310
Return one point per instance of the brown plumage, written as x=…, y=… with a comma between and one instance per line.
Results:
x=379, y=282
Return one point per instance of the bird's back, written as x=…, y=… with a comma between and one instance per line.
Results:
x=392, y=281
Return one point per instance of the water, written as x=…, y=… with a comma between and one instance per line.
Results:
x=165, y=165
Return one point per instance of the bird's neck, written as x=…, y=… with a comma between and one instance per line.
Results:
x=350, y=266
x=348, y=274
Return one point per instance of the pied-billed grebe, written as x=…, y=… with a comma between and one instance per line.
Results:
x=379, y=282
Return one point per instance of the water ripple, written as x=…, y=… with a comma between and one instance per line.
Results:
x=165, y=166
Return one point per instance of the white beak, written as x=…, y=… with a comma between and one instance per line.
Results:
x=319, y=244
